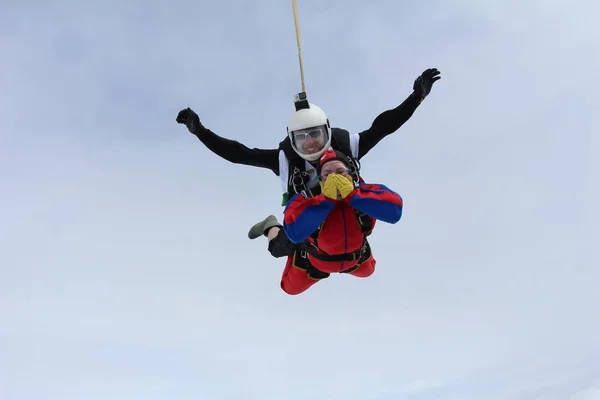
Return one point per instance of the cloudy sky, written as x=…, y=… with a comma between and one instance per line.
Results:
x=125, y=269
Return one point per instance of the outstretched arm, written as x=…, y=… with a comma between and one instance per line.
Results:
x=390, y=121
x=302, y=216
x=238, y=153
x=228, y=149
x=387, y=123
x=377, y=201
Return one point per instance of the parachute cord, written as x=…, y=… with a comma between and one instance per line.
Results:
x=295, y=7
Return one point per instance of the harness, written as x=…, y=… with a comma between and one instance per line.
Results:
x=312, y=249
x=298, y=178
x=340, y=141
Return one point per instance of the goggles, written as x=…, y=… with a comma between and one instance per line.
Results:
x=304, y=134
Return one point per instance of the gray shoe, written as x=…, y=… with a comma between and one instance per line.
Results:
x=261, y=228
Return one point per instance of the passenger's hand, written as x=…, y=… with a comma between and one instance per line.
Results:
x=329, y=187
x=344, y=184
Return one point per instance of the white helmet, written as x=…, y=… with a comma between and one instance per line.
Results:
x=309, y=132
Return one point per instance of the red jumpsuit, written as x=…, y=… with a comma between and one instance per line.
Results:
x=339, y=232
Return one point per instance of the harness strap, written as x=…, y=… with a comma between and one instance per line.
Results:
x=315, y=252
x=298, y=181
x=365, y=222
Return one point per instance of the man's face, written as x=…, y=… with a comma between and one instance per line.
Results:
x=334, y=167
x=311, y=140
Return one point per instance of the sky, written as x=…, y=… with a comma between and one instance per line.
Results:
x=125, y=268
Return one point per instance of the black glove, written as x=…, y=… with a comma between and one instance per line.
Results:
x=191, y=120
x=423, y=83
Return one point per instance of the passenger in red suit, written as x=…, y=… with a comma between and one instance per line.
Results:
x=332, y=227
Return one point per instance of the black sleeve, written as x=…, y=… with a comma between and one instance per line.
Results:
x=237, y=153
x=387, y=123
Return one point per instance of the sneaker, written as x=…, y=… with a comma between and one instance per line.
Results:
x=261, y=228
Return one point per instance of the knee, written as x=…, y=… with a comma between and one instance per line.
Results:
x=366, y=269
x=296, y=282
x=364, y=272
x=292, y=290
x=280, y=246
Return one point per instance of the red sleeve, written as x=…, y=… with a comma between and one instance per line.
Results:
x=377, y=201
x=302, y=216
